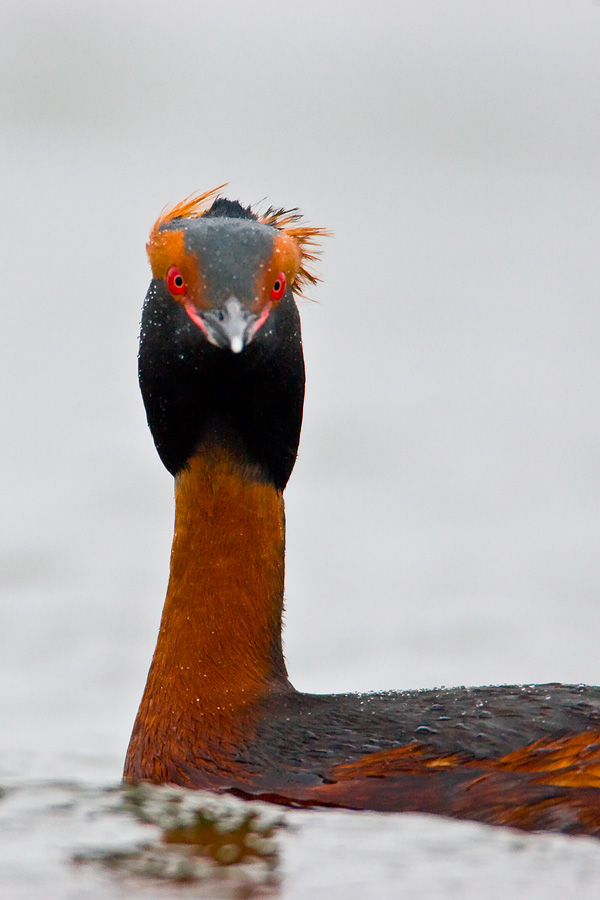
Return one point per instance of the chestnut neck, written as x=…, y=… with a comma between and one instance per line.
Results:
x=220, y=632
x=219, y=645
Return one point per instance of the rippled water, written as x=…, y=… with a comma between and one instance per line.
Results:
x=65, y=840
x=443, y=515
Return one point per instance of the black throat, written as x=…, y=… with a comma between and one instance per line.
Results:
x=195, y=393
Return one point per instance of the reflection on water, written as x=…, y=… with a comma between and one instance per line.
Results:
x=64, y=837
x=66, y=840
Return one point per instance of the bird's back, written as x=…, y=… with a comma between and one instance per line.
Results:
x=526, y=756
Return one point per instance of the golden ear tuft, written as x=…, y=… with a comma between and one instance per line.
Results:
x=192, y=207
x=308, y=238
x=288, y=221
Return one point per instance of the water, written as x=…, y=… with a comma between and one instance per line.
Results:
x=443, y=515
x=63, y=840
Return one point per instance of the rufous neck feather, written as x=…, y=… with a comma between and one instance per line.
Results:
x=222, y=614
x=219, y=645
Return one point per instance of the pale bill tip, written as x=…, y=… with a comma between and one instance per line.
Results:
x=237, y=344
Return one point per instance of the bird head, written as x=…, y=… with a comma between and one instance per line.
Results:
x=220, y=346
x=227, y=268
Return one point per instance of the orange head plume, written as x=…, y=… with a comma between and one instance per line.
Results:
x=288, y=221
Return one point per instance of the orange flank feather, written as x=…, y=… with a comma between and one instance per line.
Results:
x=572, y=761
x=569, y=761
x=546, y=785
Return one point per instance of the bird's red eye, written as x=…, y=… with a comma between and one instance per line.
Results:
x=279, y=287
x=175, y=281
